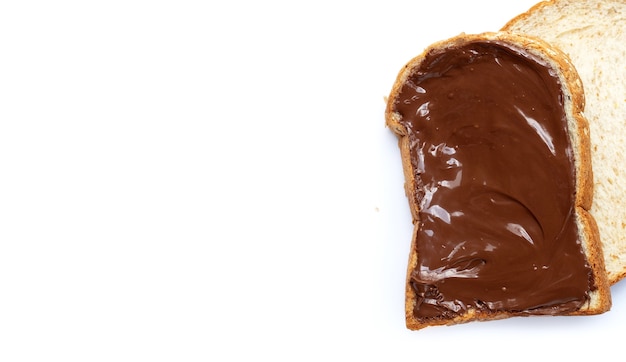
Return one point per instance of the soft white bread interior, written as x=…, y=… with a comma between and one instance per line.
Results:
x=593, y=34
x=600, y=300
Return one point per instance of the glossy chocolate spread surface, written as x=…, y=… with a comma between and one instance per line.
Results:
x=494, y=168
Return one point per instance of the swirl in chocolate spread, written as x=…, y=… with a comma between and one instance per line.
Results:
x=493, y=163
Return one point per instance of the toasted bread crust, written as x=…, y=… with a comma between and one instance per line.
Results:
x=529, y=13
x=600, y=300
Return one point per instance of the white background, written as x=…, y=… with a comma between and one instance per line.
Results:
x=213, y=181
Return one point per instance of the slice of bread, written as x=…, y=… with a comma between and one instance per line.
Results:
x=593, y=34
x=493, y=245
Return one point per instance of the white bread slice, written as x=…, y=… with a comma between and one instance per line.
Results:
x=593, y=34
x=599, y=298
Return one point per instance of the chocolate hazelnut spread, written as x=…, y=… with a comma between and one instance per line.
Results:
x=494, y=168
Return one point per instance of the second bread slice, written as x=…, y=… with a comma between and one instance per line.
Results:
x=593, y=34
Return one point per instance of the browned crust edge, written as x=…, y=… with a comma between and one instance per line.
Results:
x=537, y=7
x=601, y=298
